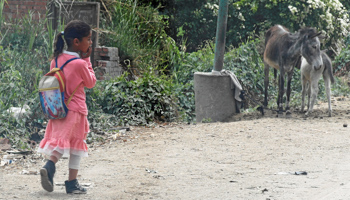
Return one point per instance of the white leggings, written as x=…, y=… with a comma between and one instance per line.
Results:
x=74, y=160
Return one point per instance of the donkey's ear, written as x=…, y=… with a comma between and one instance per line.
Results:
x=315, y=35
x=321, y=37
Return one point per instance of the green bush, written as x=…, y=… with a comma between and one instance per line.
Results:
x=341, y=64
x=137, y=102
x=23, y=60
x=137, y=31
x=19, y=76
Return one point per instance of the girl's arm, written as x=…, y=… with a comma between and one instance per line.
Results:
x=88, y=74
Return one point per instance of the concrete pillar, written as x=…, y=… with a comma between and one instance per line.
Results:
x=214, y=97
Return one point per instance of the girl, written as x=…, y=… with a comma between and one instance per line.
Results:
x=67, y=136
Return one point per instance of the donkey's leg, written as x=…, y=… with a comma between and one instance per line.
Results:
x=308, y=89
x=303, y=92
x=290, y=75
x=327, y=84
x=281, y=91
x=266, y=82
x=278, y=94
x=314, y=78
x=275, y=75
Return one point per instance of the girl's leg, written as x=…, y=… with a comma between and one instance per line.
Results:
x=55, y=156
x=48, y=171
x=74, y=164
x=73, y=173
x=72, y=185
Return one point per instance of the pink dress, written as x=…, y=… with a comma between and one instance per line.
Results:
x=68, y=135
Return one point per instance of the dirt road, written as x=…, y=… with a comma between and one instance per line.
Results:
x=250, y=157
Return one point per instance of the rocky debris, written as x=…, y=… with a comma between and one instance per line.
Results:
x=4, y=144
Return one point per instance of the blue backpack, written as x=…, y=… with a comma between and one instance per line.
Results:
x=51, y=92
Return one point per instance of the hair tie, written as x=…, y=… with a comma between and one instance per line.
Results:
x=62, y=32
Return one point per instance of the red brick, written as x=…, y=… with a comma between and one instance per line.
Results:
x=40, y=3
x=97, y=49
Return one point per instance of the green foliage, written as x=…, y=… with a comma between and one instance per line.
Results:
x=137, y=31
x=186, y=101
x=329, y=16
x=206, y=120
x=199, y=61
x=341, y=64
x=18, y=81
x=340, y=88
x=246, y=62
x=251, y=18
x=23, y=59
x=195, y=21
x=13, y=129
x=182, y=74
x=24, y=34
x=137, y=102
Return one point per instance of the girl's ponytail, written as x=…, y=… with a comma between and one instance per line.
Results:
x=59, y=44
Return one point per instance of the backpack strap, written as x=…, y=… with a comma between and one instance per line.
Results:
x=61, y=68
x=71, y=96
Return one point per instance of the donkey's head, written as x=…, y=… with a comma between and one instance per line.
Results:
x=310, y=47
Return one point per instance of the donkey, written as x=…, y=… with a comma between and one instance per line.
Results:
x=309, y=81
x=283, y=51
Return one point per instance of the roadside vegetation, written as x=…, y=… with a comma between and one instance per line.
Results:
x=161, y=45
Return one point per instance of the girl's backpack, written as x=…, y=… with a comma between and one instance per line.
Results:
x=51, y=93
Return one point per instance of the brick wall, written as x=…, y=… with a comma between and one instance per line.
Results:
x=106, y=63
x=18, y=8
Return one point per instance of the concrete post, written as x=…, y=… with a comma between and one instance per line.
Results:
x=214, y=93
x=214, y=97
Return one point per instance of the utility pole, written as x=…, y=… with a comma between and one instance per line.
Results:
x=214, y=91
x=220, y=36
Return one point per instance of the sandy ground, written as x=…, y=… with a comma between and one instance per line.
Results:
x=250, y=157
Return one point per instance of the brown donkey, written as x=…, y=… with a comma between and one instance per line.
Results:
x=283, y=51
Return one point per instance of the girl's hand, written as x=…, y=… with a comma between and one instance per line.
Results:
x=87, y=53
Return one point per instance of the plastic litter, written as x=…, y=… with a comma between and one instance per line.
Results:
x=293, y=173
x=18, y=112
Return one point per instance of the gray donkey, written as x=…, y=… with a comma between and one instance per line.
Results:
x=310, y=75
x=283, y=50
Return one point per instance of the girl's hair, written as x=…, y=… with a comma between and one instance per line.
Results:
x=74, y=29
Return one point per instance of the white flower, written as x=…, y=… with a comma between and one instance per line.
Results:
x=316, y=4
x=241, y=17
x=293, y=9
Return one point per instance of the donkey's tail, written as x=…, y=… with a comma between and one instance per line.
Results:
x=328, y=66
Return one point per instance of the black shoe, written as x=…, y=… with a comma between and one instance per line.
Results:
x=47, y=173
x=73, y=187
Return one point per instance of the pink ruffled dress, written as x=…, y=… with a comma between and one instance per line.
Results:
x=68, y=135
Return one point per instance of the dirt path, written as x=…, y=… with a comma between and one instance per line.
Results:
x=254, y=158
